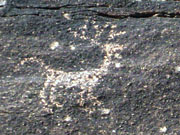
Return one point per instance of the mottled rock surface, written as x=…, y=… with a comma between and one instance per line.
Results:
x=96, y=67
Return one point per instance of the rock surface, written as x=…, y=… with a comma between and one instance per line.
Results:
x=89, y=67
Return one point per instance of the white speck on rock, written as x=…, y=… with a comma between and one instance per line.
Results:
x=118, y=65
x=72, y=47
x=2, y=2
x=177, y=69
x=68, y=118
x=105, y=111
x=163, y=129
x=67, y=16
x=114, y=26
x=54, y=45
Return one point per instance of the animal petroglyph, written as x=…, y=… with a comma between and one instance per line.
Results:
x=85, y=80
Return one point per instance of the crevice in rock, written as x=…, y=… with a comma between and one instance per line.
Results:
x=45, y=8
x=141, y=15
x=155, y=14
x=62, y=6
x=107, y=13
x=121, y=16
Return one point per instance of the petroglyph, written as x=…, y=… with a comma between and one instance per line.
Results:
x=57, y=80
x=85, y=80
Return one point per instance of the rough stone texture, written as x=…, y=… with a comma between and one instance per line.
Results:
x=96, y=67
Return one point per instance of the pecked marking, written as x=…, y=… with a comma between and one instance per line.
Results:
x=85, y=80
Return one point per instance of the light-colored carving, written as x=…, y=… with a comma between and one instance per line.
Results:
x=85, y=80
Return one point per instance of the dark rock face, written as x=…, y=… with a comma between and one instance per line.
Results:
x=86, y=68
